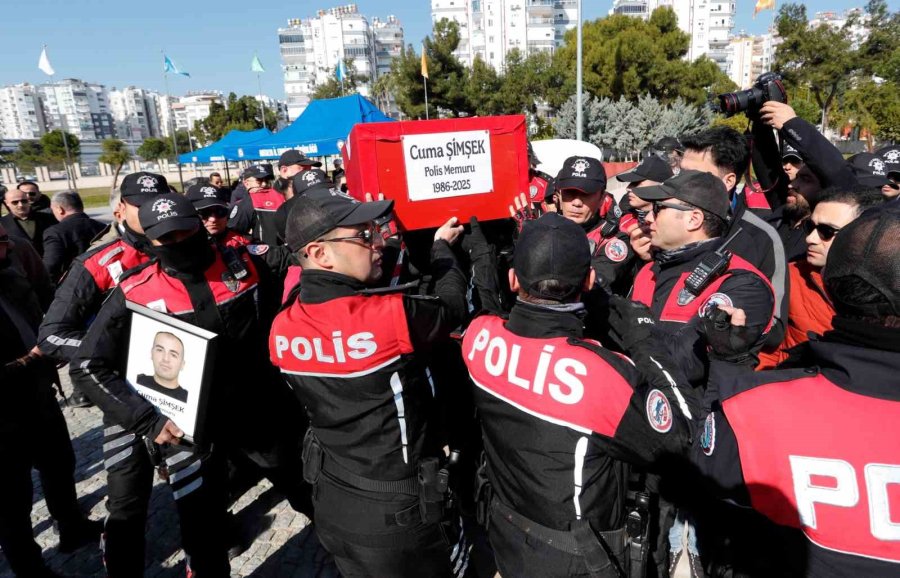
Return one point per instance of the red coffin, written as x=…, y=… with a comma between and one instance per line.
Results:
x=457, y=167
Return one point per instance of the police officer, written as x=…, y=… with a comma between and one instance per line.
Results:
x=211, y=204
x=558, y=412
x=812, y=448
x=33, y=430
x=95, y=273
x=356, y=359
x=189, y=280
x=254, y=214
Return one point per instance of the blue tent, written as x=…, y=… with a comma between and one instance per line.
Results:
x=321, y=130
x=216, y=151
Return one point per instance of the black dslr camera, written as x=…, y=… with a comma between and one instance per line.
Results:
x=767, y=87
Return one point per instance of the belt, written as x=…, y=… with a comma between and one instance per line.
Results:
x=408, y=486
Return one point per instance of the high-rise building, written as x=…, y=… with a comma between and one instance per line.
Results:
x=135, y=114
x=740, y=60
x=489, y=29
x=81, y=108
x=837, y=20
x=311, y=49
x=193, y=107
x=708, y=22
x=21, y=115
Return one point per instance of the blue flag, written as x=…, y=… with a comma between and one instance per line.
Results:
x=340, y=71
x=169, y=66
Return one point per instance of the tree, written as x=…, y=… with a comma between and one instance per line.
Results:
x=235, y=114
x=29, y=155
x=115, y=153
x=54, y=148
x=153, y=149
x=523, y=83
x=871, y=108
x=332, y=87
x=629, y=57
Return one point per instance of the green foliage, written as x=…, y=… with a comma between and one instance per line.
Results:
x=872, y=107
x=153, y=149
x=332, y=87
x=629, y=57
x=237, y=113
x=115, y=153
x=29, y=155
x=54, y=150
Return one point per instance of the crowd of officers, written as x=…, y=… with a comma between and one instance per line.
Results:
x=705, y=369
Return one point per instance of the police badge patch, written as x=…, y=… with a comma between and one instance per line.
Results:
x=258, y=250
x=233, y=284
x=616, y=251
x=708, y=439
x=718, y=298
x=659, y=412
x=685, y=297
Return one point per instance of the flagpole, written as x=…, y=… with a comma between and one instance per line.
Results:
x=172, y=124
x=70, y=180
x=425, y=81
x=262, y=106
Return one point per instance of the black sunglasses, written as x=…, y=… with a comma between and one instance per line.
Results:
x=217, y=212
x=367, y=237
x=826, y=232
x=660, y=205
x=21, y=202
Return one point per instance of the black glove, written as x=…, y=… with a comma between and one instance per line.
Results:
x=630, y=322
x=728, y=342
x=475, y=243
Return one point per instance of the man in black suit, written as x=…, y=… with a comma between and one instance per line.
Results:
x=71, y=237
x=39, y=201
x=23, y=223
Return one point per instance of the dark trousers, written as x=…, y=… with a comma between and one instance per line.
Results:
x=198, y=486
x=43, y=444
x=354, y=528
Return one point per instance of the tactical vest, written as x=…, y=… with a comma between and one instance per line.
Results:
x=108, y=263
x=265, y=203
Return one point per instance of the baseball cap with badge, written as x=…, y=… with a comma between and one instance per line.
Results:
x=324, y=210
x=652, y=168
x=308, y=180
x=295, y=157
x=167, y=213
x=870, y=170
x=584, y=174
x=552, y=248
x=789, y=152
x=698, y=188
x=136, y=188
x=204, y=195
x=890, y=155
x=261, y=171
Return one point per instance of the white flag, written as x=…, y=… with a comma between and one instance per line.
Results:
x=44, y=63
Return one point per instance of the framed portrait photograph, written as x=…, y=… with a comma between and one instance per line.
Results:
x=170, y=364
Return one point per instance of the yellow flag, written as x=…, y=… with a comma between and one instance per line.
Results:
x=424, y=63
x=763, y=5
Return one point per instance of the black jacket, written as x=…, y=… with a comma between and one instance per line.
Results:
x=43, y=221
x=68, y=239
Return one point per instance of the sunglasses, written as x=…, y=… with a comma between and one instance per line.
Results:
x=21, y=202
x=660, y=205
x=368, y=237
x=825, y=232
x=217, y=212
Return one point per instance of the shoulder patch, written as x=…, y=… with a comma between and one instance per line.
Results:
x=717, y=298
x=708, y=439
x=234, y=211
x=659, y=412
x=616, y=251
x=257, y=250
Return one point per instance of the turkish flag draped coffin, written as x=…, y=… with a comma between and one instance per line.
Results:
x=437, y=169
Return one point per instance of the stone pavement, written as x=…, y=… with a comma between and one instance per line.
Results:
x=285, y=543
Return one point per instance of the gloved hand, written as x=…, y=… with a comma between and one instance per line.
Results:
x=630, y=322
x=475, y=243
x=522, y=211
x=29, y=360
x=727, y=334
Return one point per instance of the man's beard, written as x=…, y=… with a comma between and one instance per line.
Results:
x=797, y=211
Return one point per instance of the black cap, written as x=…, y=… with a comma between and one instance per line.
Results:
x=585, y=174
x=701, y=189
x=668, y=144
x=138, y=187
x=532, y=158
x=166, y=213
x=295, y=157
x=323, y=210
x=313, y=178
x=788, y=151
x=261, y=171
x=203, y=195
x=891, y=157
x=870, y=170
x=552, y=247
x=866, y=252
x=651, y=168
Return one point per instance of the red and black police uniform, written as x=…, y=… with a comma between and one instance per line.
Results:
x=254, y=214
x=93, y=275
x=560, y=415
x=209, y=199
x=357, y=360
x=190, y=281
x=33, y=432
x=812, y=448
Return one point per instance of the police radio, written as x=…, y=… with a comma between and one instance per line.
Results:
x=234, y=262
x=709, y=268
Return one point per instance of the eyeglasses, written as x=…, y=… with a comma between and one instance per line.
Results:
x=825, y=232
x=217, y=212
x=21, y=202
x=660, y=205
x=368, y=237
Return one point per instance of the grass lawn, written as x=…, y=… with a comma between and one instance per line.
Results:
x=98, y=196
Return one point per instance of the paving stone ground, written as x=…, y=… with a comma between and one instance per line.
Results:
x=285, y=542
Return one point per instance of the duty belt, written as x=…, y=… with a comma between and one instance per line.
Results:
x=602, y=551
